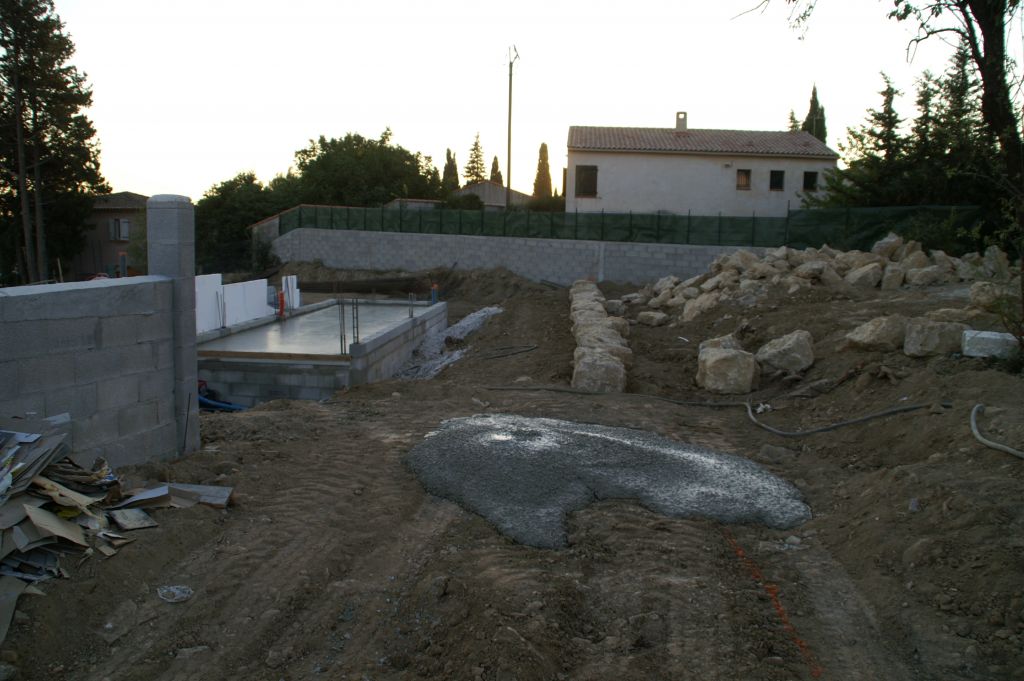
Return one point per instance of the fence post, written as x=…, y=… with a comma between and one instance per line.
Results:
x=602, y=224
x=631, y=225
x=364, y=217
x=504, y=222
x=719, y=228
x=753, y=229
x=460, y=221
x=551, y=225
x=689, y=217
x=657, y=228
x=576, y=225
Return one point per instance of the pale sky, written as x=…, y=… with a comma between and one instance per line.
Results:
x=188, y=93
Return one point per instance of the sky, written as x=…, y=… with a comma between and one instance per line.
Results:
x=188, y=93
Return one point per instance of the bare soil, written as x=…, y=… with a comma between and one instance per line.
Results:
x=333, y=563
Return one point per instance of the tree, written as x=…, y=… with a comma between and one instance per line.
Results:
x=222, y=218
x=50, y=162
x=814, y=121
x=794, y=124
x=475, y=170
x=450, y=178
x=496, y=172
x=542, y=182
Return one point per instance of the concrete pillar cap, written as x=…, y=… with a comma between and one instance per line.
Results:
x=168, y=198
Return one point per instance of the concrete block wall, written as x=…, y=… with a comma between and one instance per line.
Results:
x=380, y=357
x=250, y=382
x=101, y=351
x=561, y=261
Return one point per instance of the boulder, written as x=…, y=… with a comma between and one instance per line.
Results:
x=615, y=308
x=728, y=372
x=996, y=263
x=723, y=279
x=968, y=270
x=829, y=277
x=791, y=353
x=926, y=337
x=665, y=283
x=954, y=314
x=828, y=251
x=676, y=302
x=699, y=305
x=652, y=318
x=881, y=333
x=887, y=246
x=989, y=344
x=741, y=261
x=940, y=259
x=760, y=270
x=811, y=270
x=893, y=276
x=867, y=276
x=853, y=260
x=619, y=352
x=727, y=342
x=695, y=281
x=915, y=260
x=905, y=250
x=926, y=276
x=597, y=371
x=620, y=324
x=986, y=295
x=690, y=292
x=635, y=299
x=660, y=299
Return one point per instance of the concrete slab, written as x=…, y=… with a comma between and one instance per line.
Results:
x=315, y=333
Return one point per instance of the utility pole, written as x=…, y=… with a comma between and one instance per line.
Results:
x=508, y=163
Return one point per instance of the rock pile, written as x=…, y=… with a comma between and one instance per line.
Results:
x=602, y=355
x=745, y=277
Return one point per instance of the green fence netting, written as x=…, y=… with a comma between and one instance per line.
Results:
x=843, y=228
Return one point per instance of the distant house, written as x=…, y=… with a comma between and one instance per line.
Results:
x=680, y=170
x=107, y=234
x=413, y=204
x=492, y=194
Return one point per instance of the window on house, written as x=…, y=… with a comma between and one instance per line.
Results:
x=777, y=180
x=810, y=181
x=586, y=181
x=120, y=229
x=743, y=178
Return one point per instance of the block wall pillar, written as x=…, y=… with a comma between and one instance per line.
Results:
x=170, y=229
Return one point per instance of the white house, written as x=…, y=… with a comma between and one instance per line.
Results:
x=703, y=172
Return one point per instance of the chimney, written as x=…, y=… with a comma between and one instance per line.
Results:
x=680, y=120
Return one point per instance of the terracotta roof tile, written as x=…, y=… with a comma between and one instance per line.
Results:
x=697, y=141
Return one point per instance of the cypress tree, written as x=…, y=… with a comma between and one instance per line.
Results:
x=814, y=122
x=496, y=172
x=542, y=182
x=475, y=170
x=450, y=178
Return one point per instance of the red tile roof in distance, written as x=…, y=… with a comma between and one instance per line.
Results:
x=697, y=141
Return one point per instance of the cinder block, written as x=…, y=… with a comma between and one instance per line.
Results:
x=45, y=374
x=26, y=404
x=118, y=331
x=137, y=418
x=156, y=384
x=8, y=375
x=105, y=364
x=165, y=410
x=163, y=354
x=80, y=401
x=310, y=393
x=153, y=327
x=118, y=391
x=99, y=429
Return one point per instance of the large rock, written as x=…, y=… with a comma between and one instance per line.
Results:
x=727, y=342
x=690, y=292
x=854, y=260
x=867, y=276
x=926, y=337
x=915, y=260
x=989, y=296
x=760, y=270
x=663, y=297
x=905, y=250
x=652, y=318
x=665, y=283
x=620, y=352
x=728, y=372
x=926, y=276
x=723, y=279
x=699, y=305
x=741, y=261
x=940, y=259
x=791, y=353
x=616, y=308
x=597, y=371
x=887, y=246
x=811, y=270
x=989, y=344
x=881, y=333
x=996, y=263
x=676, y=301
x=893, y=276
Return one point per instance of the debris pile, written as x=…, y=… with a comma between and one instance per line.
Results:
x=52, y=509
x=442, y=347
x=602, y=354
x=745, y=277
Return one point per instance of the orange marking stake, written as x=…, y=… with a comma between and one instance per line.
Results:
x=773, y=593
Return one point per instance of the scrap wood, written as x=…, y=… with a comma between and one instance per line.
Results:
x=10, y=589
x=132, y=519
x=64, y=496
x=116, y=540
x=49, y=522
x=209, y=495
x=147, y=498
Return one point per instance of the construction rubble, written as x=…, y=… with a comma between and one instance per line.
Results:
x=743, y=277
x=54, y=513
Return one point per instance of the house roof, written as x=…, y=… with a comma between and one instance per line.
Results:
x=698, y=141
x=120, y=201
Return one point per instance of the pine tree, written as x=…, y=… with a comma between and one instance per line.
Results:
x=542, y=182
x=450, y=178
x=50, y=165
x=794, y=124
x=496, y=172
x=475, y=170
x=814, y=122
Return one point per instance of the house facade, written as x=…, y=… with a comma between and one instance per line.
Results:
x=698, y=171
x=492, y=194
x=107, y=234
